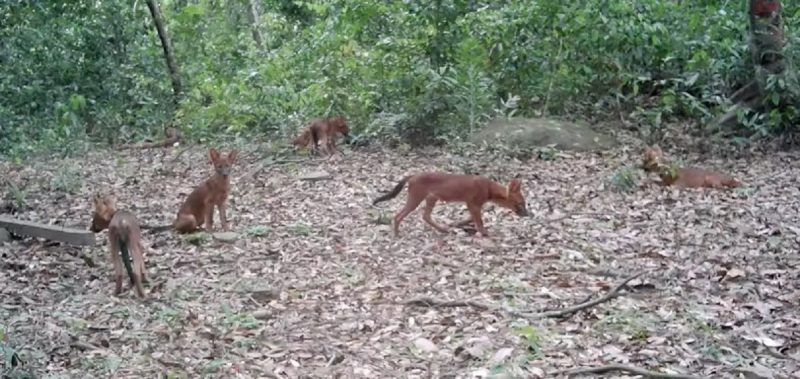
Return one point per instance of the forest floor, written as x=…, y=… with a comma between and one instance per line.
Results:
x=317, y=286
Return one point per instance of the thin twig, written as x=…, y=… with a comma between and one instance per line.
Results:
x=169, y=363
x=587, y=298
x=622, y=368
x=582, y=306
x=568, y=215
x=426, y=301
x=84, y=345
x=268, y=162
x=182, y=151
x=439, y=261
x=279, y=162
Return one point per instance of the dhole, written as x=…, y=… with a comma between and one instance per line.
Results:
x=123, y=235
x=687, y=177
x=473, y=190
x=198, y=209
x=325, y=130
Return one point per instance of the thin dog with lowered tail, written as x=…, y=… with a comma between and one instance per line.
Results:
x=473, y=190
x=123, y=235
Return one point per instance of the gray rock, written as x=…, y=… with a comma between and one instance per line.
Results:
x=541, y=132
x=5, y=236
x=228, y=237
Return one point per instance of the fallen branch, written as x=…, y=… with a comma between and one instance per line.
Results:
x=169, y=363
x=183, y=151
x=470, y=229
x=568, y=215
x=439, y=261
x=615, y=292
x=622, y=368
x=172, y=137
x=85, y=346
x=279, y=162
x=426, y=301
x=269, y=162
x=470, y=226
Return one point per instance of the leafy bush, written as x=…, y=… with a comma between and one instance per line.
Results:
x=413, y=69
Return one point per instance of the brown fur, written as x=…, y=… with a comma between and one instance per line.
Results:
x=652, y=158
x=198, y=208
x=123, y=234
x=324, y=130
x=684, y=177
x=172, y=136
x=473, y=190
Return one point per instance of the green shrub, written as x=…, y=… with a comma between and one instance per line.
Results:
x=425, y=70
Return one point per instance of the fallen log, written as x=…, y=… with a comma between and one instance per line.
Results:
x=172, y=137
x=50, y=232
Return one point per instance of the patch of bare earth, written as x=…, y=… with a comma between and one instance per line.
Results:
x=317, y=286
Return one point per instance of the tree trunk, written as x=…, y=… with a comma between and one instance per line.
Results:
x=766, y=35
x=436, y=43
x=166, y=44
x=767, y=40
x=255, y=20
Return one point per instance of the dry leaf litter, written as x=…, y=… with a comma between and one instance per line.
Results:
x=315, y=285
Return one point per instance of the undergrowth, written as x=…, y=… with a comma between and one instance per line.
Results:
x=429, y=71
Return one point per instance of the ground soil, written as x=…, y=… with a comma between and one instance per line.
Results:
x=316, y=286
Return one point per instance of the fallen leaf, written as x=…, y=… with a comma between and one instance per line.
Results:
x=501, y=355
x=425, y=345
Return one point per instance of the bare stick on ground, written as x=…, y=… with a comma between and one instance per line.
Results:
x=621, y=368
x=430, y=302
x=171, y=137
x=615, y=292
x=424, y=301
x=269, y=162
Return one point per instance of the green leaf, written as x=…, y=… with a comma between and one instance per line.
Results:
x=775, y=98
x=194, y=10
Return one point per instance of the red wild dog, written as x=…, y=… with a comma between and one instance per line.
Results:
x=324, y=130
x=198, y=208
x=685, y=177
x=123, y=235
x=473, y=190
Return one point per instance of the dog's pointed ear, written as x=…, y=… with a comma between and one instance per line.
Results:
x=213, y=154
x=97, y=199
x=514, y=186
x=111, y=201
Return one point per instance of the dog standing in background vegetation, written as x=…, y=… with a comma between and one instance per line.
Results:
x=324, y=130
